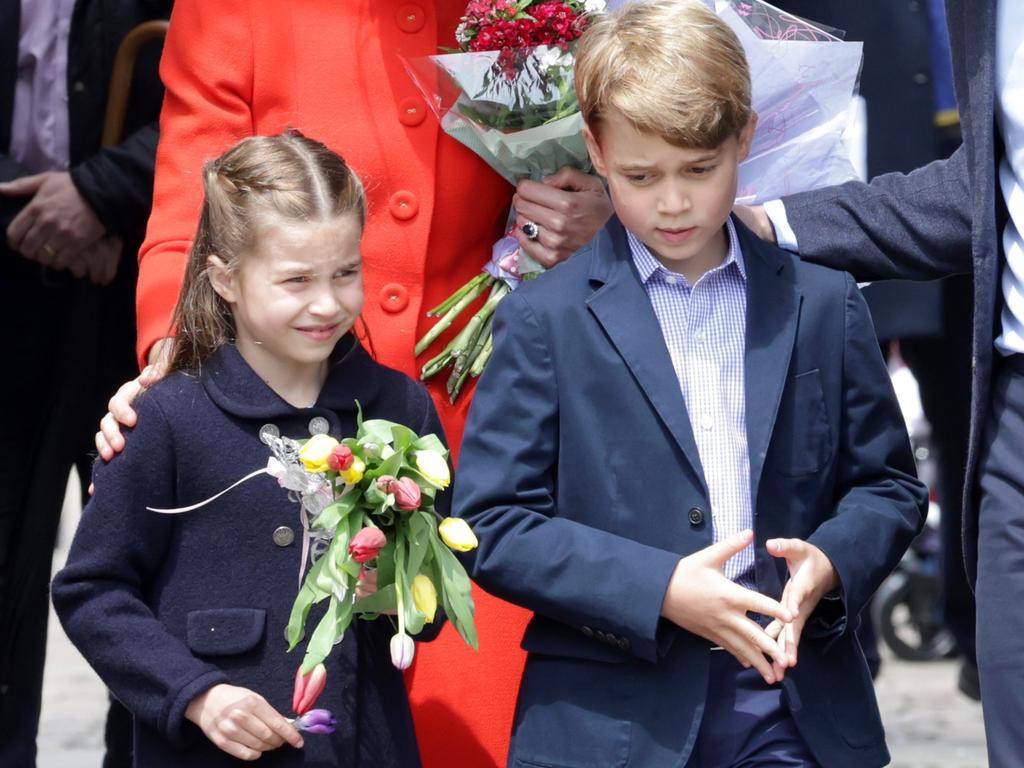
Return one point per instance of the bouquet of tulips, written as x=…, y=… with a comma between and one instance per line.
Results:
x=367, y=502
x=508, y=95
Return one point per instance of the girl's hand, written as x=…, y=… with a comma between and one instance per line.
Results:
x=568, y=207
x=367, y=584
x=241, y=722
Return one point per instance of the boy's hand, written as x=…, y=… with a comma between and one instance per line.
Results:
x=569, y=207
x=241, y=722
x=702, y=600
x=811, y=577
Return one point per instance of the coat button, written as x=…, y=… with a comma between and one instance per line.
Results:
x=403, y=205
x=411, y=111
x=598, y=634
x=410, y=18
x=587, y=631
x=623, y=644
x=394, y=297
x=283, y=536
x=696, y=516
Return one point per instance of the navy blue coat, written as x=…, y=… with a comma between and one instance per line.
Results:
x=581, y=477
x=165, y=606
x=940, y=220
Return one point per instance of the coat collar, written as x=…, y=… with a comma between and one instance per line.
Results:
x=621, y=306
x=237, y=389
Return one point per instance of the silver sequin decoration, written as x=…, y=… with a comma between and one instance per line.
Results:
x=318, y=425
x=268, y=433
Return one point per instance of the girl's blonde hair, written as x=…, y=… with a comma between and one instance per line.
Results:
x=289, y=176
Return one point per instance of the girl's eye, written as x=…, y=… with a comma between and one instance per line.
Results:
x=298, y=279
x=344, y=273
x=700, y=170
x=637, y=178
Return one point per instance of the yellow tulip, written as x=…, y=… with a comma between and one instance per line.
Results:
x=315, y=452
x=354, y=473
x=432, y=465
x=456, y=533
x=424, y=596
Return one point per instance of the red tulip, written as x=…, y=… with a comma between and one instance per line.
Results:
x=365, y=545
x=407, y=493
x=308, y=688
x=340, y=458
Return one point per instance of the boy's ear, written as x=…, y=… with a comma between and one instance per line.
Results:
x=594, y=148
x=747, y=136
x=221, y=278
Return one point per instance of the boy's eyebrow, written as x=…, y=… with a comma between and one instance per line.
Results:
x=711, y=154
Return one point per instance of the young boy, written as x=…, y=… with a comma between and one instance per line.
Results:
x=685, y=455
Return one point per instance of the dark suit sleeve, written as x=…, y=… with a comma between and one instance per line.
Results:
x=118, y=551
x=117, y=183
x=880, y=504
x=915, y=225
x=505, y=487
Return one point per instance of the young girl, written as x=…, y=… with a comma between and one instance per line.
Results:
x=183, y=615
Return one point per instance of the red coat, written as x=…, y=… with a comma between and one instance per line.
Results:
x=332, y=69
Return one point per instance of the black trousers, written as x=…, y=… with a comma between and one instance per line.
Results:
x=1000, y=585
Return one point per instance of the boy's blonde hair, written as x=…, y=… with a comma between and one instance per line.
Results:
x=288, y=177
x=671, y=68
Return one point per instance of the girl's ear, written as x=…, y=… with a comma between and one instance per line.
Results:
x=221, y=278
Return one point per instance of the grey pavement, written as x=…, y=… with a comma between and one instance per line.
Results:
x=929, y=724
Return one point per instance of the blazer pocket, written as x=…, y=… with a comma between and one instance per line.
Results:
x=802, y=437
x=225, y=631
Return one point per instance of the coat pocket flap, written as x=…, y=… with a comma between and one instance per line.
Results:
x=225, y=631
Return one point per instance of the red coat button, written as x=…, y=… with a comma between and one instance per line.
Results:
x=412, y=111
x=403, y=205
x=394, y=297
x=410, y=18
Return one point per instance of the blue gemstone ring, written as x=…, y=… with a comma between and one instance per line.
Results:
x=530, y=229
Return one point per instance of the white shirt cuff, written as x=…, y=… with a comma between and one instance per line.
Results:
x=784, y=234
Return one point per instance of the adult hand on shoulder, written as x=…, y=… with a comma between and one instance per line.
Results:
x=56, y=225
x=811, y=577
x=568, y=209
x=241, y=722
x=702, y=600
x=757, y=220
x=98, y=262
x=109, y=440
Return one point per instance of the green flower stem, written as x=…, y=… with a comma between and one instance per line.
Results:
x=452, y=300
x=465, y=364
x=485, y=355
x=452, y=313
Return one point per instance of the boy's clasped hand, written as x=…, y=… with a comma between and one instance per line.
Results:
x=700, y=599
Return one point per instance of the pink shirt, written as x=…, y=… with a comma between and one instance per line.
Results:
x=39, y=130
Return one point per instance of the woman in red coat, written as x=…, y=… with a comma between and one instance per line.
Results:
x=333, y=70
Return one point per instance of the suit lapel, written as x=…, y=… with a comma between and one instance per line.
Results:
x=623, y=309
x=773, y=307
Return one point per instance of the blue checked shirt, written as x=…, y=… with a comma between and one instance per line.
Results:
x=704, y=326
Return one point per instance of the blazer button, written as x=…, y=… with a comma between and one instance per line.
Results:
x=412, y=112
x=410, y=18
x=403, y=205
x=623, y=644
x=696, y=516
x=394, y=297
x=598, y=634
x=283, y=536
x=587, y=631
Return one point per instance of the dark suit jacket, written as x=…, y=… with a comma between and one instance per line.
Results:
x=581, y=477
x=939, y=220
x=116, y=181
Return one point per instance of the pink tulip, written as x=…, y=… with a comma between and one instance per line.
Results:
x=340, y=458
x=407, y=493
x=366, y=544
x=308, y=688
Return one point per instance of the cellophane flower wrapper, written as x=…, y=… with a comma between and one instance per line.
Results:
x=337, y=504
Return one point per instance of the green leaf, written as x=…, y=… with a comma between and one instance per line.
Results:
x=455, y=592
x=309, y=594
x=429, y=443
x=377, y=431
x=323, y=639
x=389, y=466
x=384, y=600
x=402, y=437
x=333, y=513
x=417, y=534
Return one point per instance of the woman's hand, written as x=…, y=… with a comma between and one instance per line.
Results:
x=568, y=209
x=241, y=722
x=109, y=440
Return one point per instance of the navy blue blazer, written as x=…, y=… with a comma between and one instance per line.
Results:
x=166, y=606
x=580, y=474
x=940, y=220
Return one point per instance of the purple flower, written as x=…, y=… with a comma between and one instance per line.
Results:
x=319, y=721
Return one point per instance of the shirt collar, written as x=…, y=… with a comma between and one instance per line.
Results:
x=647, y=265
